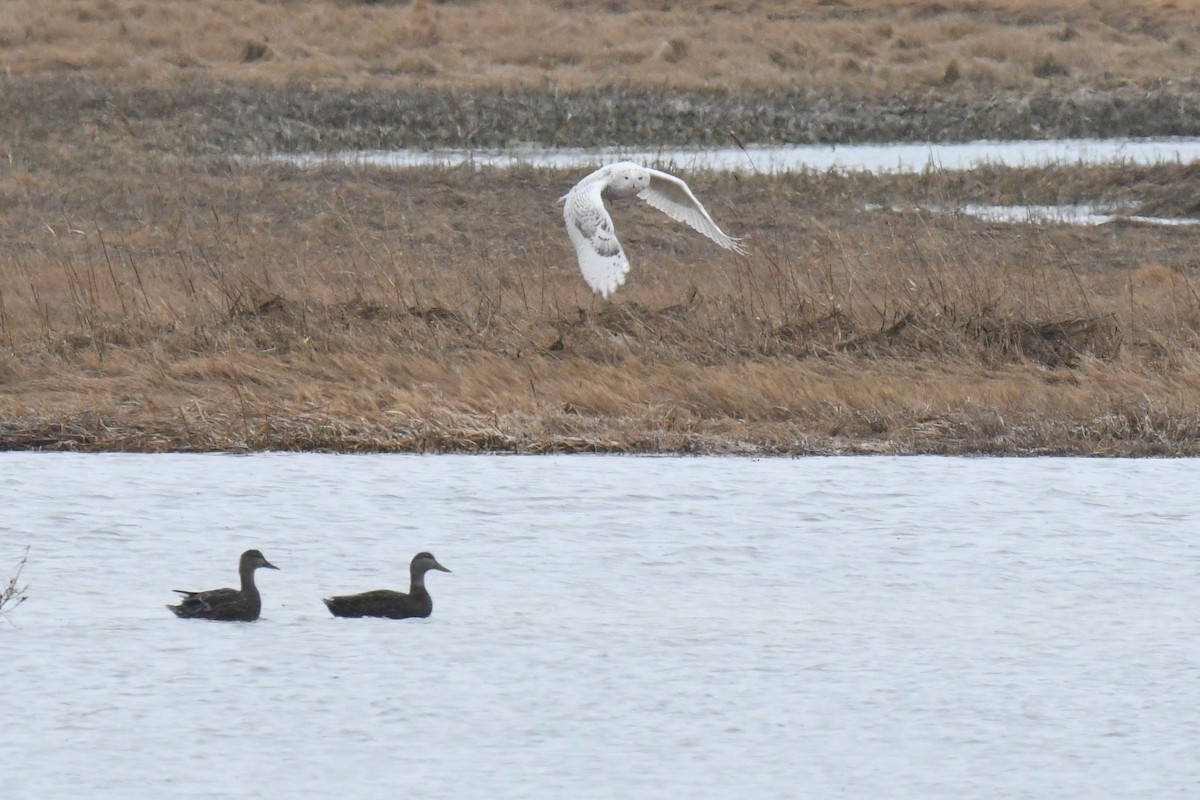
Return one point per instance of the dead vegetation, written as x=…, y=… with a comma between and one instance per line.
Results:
x=178, y=307
x=157, y=294
x=876, y=48
x=12, y=594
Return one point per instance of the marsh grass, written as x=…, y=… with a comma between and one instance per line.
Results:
x=156, y=294
x=875, y=46
x=269, y=307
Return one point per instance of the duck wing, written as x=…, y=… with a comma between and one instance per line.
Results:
x=207, y=603
x=380, y=603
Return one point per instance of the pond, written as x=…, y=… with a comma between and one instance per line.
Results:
x=613, y=627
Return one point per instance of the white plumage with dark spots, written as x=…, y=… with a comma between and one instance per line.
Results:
x=601, y=259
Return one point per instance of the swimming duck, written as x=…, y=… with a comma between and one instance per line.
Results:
x=229, y=605
x=385, y=602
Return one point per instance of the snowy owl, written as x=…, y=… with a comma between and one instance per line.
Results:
x=601, y=259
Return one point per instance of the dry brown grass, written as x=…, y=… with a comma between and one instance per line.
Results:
x=264, y=306
x=874, y=46
x=156, y=296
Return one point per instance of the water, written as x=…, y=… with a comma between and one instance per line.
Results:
x=878, y=158
x=1083, y=214
x=613, y=628
x=874, y=158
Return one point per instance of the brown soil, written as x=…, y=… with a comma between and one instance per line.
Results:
x=155, y=295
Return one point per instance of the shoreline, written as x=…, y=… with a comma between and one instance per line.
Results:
x=342, y=310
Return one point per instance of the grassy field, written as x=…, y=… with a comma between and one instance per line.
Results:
x=156, y=295
x=833, y=45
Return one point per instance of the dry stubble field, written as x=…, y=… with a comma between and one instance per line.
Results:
x=157, y=295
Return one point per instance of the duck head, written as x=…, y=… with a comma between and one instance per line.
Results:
x=423, y=562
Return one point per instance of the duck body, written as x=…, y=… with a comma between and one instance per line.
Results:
x=382, y=603
x=391, y=604
x=227, y=605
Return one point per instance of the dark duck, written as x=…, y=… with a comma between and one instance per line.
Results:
x=390, y=604
x=229, y=605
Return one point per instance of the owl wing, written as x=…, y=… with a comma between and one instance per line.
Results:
x=672, y=196
x=601, y=259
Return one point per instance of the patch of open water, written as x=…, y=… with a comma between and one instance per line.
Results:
x=1086, y=215
x=879, y=158
x=614, y=627
x=875, y=158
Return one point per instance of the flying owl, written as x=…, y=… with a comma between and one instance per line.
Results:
x=601, y=259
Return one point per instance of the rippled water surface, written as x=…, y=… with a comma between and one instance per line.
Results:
x=613, y=628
